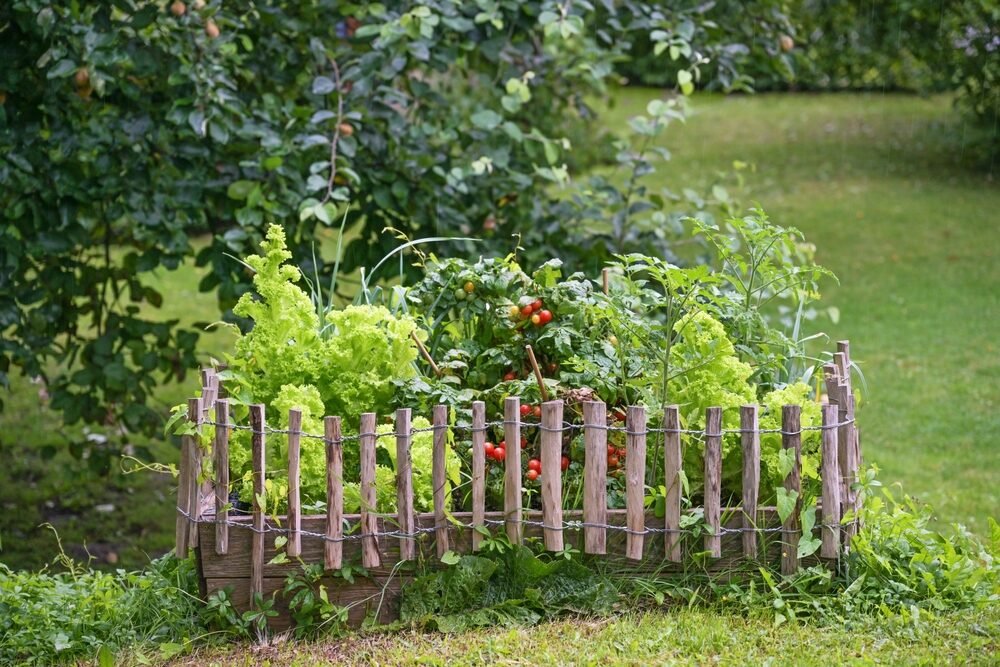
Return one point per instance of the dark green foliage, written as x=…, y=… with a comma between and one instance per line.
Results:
x=125, y=130
x=504, y=586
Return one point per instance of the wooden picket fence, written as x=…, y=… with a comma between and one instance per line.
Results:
x=233, y=552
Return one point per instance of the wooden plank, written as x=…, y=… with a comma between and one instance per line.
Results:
x=713, y=481
x=404, y=484
x=852, y=459
x=194, y=481
x=512, y=473
x=237, y=562
x=369, y=511
x=379, y=597
x=258, y=459
x=830, y=475
x=672, y=468
x=439, y=474
x=595, y=476
x=791, y=439
x=635, y=479
x=334, y=529
x=222, y=475
x=384, y=583
x=849, y=443
x=552, y=415
x=294, y=544
x=182, y=533
x=750, y=443
x=478, y=470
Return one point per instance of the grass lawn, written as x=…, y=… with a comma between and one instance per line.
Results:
x=679, y=637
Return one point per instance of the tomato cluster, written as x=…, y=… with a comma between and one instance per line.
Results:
x=531, y=411
x=533, y=311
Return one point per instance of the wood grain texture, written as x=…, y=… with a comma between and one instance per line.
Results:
x=478, y=470
x=404, y=483
x=258, y=466
x=595, y=475
x=750, y=445
x=369, y=541
x=294, y=544
x=378, y=594
x=221, y=453
x=334, y=529
x=195, y=488
x=552, y=513
x=512, y=473
x=713, y=481
x=635, y=479
x=237, y=562
x=440, y=480
x=672, y=465
x=830, y=475
x=791, y=439
x=181, y=530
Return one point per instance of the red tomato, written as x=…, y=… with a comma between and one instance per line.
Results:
x=525, y=410
x=526, y=311
x=612, y=450
x=536, y=304
x=535, y=464
x=510, y=377
x=502, y=444
x=564, y=464
x=533, y=475
x=536, y=319
x=499, y=453
x=524, y=442
x=489, y=449
x=621, y=452
x=537, y=411
x=619, y=415
x=545, y=316
x=612, y=461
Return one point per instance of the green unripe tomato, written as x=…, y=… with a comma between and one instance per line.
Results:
x=460, y=294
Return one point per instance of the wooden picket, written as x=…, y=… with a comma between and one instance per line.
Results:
x=791, y=440
x=750, y=445
x=595, y=474
x=713, y=481
x=552, y=412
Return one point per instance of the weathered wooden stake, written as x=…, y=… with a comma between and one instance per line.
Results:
x=369, y=512
x=222, y=477
x=672, y=478
x=293, y=547
x=404, y=485
x=791, y=439
x=185, y=471
x=830, y=473
x=750, y=441
x=635, y=474
x=595, y=476
x=512, y=468
x=333, y=547
x=195, y=482
x=713, y=481
x=257, y=425
x=552, y=414
x=478, y=472
x=439, y=474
